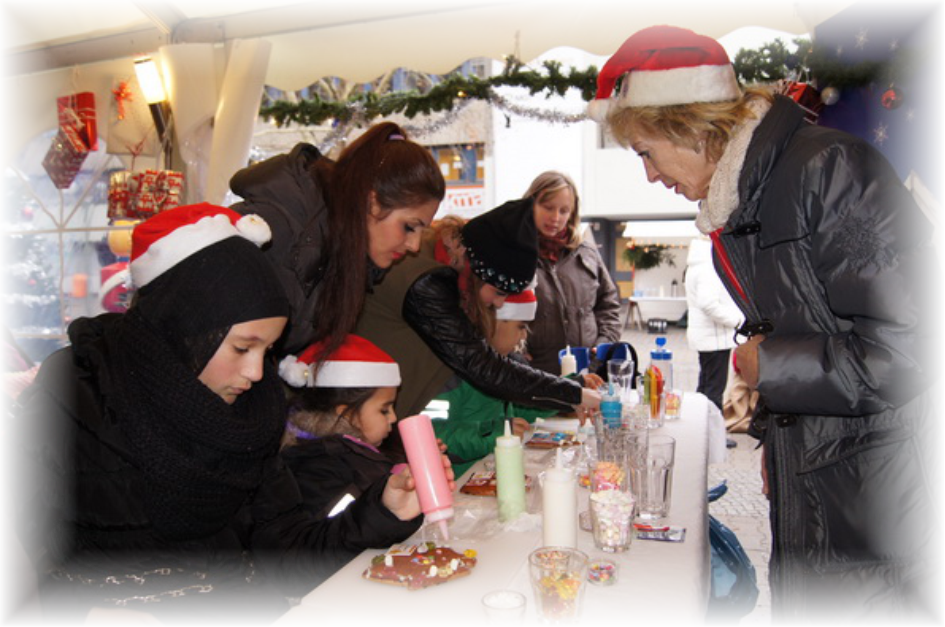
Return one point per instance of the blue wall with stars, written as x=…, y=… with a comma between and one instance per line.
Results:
x=911, y=136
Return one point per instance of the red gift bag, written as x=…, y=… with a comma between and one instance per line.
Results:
x=65, y=157
x=77, y=111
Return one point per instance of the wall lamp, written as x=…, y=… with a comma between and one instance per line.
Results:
x=152, y=87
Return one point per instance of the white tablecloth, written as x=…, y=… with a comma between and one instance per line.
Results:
x=658, y=581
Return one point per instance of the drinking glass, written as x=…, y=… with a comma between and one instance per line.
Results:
x=612, y=513
x=504, y=607
x=557, y=576
x=620, y=377
x=651, y=477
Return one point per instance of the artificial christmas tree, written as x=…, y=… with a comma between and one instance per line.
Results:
x=29, y=294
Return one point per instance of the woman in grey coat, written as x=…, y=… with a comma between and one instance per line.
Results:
x=578, y=303
x=824, y=251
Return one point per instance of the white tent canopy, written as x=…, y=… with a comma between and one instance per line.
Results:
x=218, y=55
x=360, y=40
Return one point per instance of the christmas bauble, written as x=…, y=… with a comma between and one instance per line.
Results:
x=830, y=95
x=119, y=239
x=891, y=98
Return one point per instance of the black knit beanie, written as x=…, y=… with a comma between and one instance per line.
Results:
x=244, y=285
x=502, y=245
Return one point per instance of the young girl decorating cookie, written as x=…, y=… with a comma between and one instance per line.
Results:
x=338, y=415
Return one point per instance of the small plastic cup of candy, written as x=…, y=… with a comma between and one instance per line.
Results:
x=602, y=572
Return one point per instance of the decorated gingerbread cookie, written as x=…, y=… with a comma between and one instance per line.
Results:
x=418, y=566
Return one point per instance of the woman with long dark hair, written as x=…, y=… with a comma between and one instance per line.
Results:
x=340, y=224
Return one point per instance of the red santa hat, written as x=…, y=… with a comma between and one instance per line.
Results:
x=521, y=306
x=357, y=363
x=164, y=240
x=664, y=65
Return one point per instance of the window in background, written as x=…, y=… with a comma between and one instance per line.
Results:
x=55, y=247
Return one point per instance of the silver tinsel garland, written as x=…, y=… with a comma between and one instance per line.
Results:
x=555, y=117
x=415, y=131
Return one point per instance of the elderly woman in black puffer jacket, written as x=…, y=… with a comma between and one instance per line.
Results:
x=825, y=253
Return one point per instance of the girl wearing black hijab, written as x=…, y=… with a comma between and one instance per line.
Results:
x=151, y=480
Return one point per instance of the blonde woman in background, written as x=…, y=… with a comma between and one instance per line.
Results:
x=578, y=302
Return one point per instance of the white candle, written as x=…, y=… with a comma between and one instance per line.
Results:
x=559, y=505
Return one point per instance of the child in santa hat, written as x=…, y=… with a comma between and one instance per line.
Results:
x=476, y=419
x=339, y=413
x=149, y=446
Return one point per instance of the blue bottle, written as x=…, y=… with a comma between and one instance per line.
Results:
x=611, y=409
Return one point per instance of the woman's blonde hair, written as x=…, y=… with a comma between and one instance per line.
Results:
x=447, y=229
x=550, y=183
x=697, y=126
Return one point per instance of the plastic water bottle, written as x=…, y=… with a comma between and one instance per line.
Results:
x=662, y=358
x=423, y=457
x=509, y=475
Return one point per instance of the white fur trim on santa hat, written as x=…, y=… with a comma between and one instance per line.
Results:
x=599, y=109
x=358, y=374
x=682, y=85
x=254, y=228
x=296, y=373
x=518, y=307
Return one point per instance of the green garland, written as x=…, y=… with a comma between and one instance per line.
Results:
x=441, y=97
x=774, y=61
x=646, y=257
x=769, y=63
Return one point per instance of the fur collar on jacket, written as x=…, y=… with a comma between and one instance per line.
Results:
x=722, y=199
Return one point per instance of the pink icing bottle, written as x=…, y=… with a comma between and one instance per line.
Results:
x=423, y=456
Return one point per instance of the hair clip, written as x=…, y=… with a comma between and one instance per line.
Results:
x=395, y=136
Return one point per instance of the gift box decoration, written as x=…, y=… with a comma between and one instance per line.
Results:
x=77, y=111
x=806, y=96
x=65, y=156
x=143, y=194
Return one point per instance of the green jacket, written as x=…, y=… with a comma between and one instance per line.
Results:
x=475, y=421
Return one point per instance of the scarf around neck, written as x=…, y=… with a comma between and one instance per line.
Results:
x=550, y=247
x=201, y=458
x=722, y=199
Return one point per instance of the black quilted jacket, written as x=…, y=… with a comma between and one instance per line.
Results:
x=828, y=250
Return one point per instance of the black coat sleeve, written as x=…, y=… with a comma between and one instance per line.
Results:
x=300, y=552
x=431, y=308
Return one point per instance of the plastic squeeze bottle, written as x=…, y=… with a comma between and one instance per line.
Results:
x=559, y=505
x=509, y=474
x=423, y=457
x=568, y=363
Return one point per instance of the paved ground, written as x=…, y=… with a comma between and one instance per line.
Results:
x=743, y=509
